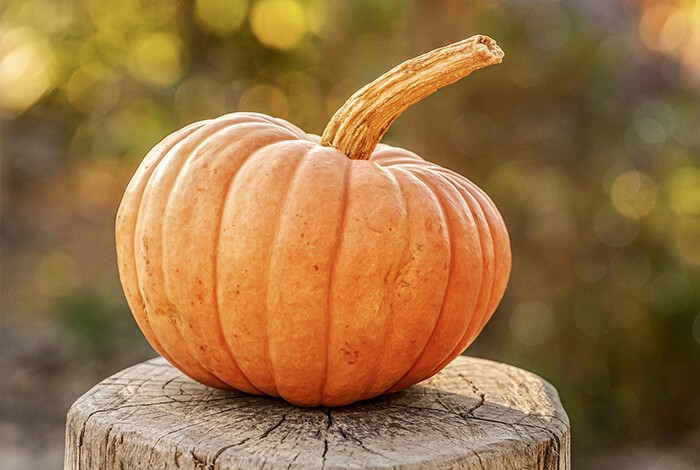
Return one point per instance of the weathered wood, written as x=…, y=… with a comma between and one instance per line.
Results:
x=475, y=414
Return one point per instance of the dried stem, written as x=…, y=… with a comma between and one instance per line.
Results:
x=358, y=126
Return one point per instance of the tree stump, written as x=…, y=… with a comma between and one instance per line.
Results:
x=475, y=414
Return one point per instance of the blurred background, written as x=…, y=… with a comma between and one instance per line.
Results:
x=587, y=137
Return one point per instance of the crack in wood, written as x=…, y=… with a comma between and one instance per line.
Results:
x=168, y=382
x=247, y=439
x=358, y=441
x=481, y=463
x=198, y=461
x=277, y=425
x=329, y=418
x=325, y=451
x=293, y=460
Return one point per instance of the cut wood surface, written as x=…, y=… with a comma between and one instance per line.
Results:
x=475, y=414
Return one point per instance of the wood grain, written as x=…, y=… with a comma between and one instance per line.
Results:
x=475, y=414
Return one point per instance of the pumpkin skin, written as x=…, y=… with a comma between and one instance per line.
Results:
x=254, y=258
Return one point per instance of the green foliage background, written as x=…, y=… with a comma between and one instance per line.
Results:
x=587, y=137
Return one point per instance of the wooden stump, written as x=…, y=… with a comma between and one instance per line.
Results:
x=475, y=414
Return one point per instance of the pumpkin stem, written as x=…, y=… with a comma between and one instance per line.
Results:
x=358, y=126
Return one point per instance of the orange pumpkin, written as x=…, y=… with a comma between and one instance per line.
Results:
x=328, y=270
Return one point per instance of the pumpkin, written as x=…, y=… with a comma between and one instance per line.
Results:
x=257, y=257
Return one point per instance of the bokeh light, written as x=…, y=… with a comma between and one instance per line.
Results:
x=265, y=98
x=684, y=190
x=687, y=241
x=280, y=24
x=675, y=461
x=633, y=194
x=26, y=68
x=93, y=89
x=156, y=58
x=670, y=293
x=221, y=16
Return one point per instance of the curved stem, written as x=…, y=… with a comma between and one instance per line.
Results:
x=358, y=126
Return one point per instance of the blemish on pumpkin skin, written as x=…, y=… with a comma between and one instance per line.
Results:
x=315, y=267
x=351, y=355
x=173, y=316
x=387, y=276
